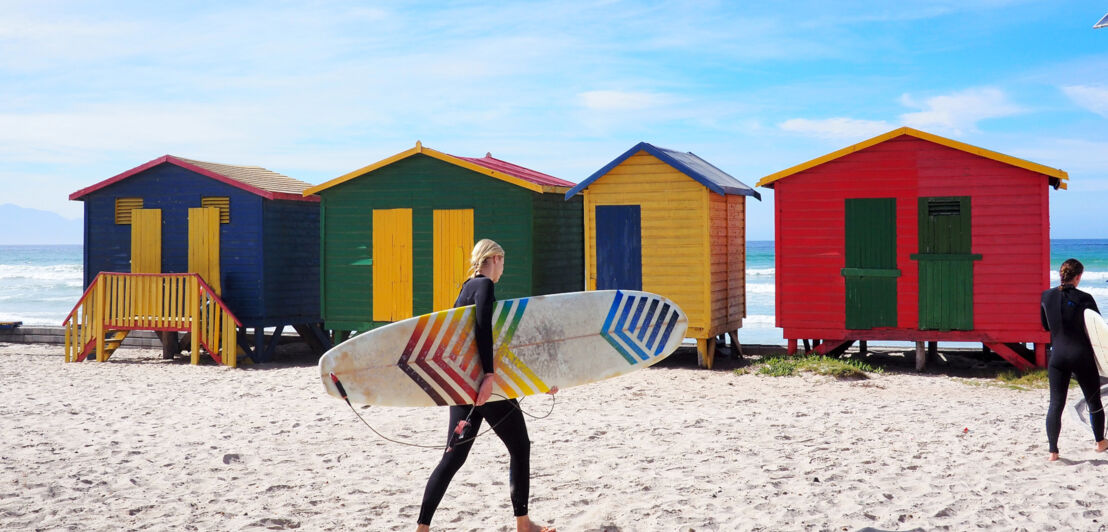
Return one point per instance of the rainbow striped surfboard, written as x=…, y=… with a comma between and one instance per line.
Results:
x=539, y=342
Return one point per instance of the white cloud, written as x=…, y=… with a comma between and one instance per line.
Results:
x=955, y=113
x=958, y=112
x=836, y=128
x=1093, y=98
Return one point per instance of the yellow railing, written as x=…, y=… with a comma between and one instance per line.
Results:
x=154, y=302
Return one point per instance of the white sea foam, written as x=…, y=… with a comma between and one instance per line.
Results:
x=1086, y=278
x=760, y=321
x=1098, y=292
x=760, y=288
x=53, y=272
x=761, y=272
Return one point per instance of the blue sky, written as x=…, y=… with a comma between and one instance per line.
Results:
x=316, y=89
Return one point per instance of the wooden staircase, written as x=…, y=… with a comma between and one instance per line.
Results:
x=117, y=303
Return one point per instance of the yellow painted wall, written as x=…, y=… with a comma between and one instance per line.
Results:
x=675, y=221
x=392, y=264
x=146, y=241
x=453, y=230
x=204, y=245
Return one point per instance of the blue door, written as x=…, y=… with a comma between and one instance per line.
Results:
x=618, y=247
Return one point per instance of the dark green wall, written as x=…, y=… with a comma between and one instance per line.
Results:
x=559, y=245
x=513, y=216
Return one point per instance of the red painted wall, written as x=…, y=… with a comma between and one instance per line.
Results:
x=1010, y=230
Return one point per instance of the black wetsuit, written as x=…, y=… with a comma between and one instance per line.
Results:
x=505, y=417
x=1071, y=353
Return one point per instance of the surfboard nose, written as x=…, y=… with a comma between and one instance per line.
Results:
x=644, y=327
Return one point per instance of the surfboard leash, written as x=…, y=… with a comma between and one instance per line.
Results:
x=456, y=431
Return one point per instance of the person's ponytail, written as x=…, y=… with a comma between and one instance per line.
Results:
x=1070, y=270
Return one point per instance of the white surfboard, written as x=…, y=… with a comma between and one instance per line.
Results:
x=539, y=342
x=1098, y=336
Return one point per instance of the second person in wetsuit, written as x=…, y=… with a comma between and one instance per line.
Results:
x=1071, y=354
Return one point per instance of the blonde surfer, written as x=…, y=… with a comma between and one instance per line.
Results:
x=505, y=417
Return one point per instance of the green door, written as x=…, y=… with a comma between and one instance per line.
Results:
x=945, y=264
x=870, y=271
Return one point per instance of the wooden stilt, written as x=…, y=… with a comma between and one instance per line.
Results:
x=932, y=350
x=705, y=352
x=1007, y=353
x=170, y=345
x=736, y=347
x=807, y=347
x=921, y=356
x=792, y=346
x=863, y=347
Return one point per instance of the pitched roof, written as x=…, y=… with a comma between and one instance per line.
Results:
x=253, y=179
x=487, y=165
x=689, y=164
x=539, y=178
x=1058, y=177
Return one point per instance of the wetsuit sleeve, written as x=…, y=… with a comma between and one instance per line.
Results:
x=1092, y=304
x=484, y=300
x=1042, y=315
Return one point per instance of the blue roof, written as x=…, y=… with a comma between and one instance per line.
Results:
x=689, y=164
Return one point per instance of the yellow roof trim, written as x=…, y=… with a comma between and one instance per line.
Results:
x=1061, y=175
x=445, y=157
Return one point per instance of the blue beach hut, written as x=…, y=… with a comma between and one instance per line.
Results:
x=249, y=233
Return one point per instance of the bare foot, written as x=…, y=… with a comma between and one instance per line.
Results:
x=1053, y=457
x=524, y=524
x=1102, y=446
x=423, y=528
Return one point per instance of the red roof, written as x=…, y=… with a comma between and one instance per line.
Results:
x=526, y=174
x=253, y=179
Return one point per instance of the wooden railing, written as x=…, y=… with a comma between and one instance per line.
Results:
x=153, y=302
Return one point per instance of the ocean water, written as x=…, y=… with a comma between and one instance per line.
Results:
x=39, y=285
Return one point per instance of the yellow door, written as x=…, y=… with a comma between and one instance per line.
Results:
x=453, y=242
x=204, y=245
x=146, y=241
x=392, y=264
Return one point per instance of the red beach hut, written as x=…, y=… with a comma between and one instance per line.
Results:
x=910, y=236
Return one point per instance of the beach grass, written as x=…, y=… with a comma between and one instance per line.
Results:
x=786, y=365
x=1017, y=380
x=1033, y=379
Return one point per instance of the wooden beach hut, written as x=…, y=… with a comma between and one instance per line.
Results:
x=397, y=234
x=910, y=236
x=249, y=234
x=670, y=223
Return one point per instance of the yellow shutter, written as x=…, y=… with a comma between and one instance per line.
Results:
x=204, y=245
x=453, y=231
x=123, y=208
x=392, y=264
x=222, y=203
x=146, y=240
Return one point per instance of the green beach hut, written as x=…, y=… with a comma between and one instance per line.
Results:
x=396, y=235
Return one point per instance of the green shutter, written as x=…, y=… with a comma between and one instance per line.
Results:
x=945, y=264
x=870, y=271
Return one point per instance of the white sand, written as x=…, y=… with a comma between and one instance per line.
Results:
x=142, y=443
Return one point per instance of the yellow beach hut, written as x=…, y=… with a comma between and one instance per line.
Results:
x=670, y=223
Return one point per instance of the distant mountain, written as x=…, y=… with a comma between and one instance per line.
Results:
x=23, y=226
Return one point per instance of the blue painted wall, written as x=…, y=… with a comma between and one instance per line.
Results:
x=246, y=247
x=291, y=269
